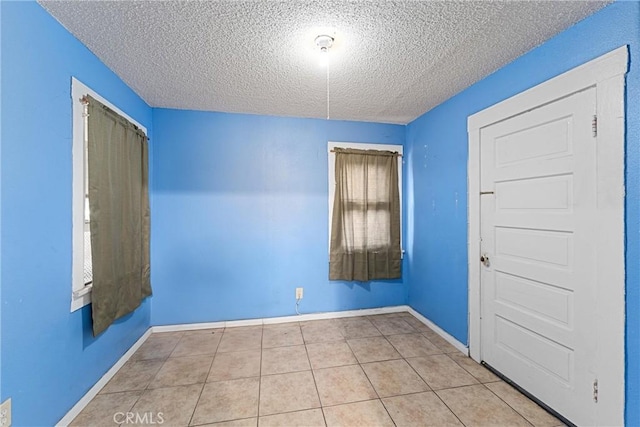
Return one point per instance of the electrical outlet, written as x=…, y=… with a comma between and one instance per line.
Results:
x=5, y=413
x=299, y=293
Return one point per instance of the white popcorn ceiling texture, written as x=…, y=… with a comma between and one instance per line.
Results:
x=391, y=62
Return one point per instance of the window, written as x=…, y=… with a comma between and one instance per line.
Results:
x=367, y=245
x=81, y=234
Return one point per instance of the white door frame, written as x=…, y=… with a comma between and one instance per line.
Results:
x=607, y=74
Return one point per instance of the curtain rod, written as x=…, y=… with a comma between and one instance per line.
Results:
x=372, y=154
x=84, y=100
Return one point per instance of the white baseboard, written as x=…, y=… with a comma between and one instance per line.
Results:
x=283, y=319
x=82, y=403
x=93, y=391
x=454, y=342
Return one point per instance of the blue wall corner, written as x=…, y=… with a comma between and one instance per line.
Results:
x=49, y=356
x=437, y=154
x=240, y=217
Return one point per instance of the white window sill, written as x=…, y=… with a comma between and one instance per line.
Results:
x=80, y=298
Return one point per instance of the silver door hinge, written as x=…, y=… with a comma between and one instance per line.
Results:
x=594, y=125
x=595, y=390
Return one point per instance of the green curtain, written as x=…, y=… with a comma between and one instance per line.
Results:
x=119, y=215
x=365, y=225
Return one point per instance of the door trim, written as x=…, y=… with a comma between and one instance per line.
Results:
x=607, y=74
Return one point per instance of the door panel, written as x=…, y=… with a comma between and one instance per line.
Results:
x=550, y=193
x=538, y=351
x=538, y=299
x=538, y=290
x=550, y=248
x=544, y=140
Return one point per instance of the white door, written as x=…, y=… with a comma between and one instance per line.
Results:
x=538, y=287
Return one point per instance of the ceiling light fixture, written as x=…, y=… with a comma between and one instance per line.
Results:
x=324, y=42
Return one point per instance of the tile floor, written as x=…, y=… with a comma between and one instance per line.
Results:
x=381, y=370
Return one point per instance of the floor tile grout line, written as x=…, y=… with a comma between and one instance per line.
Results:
x=408, y=394
x=260, y=377
x=447, y=406
x=378, y=394
x=514, y=409
x=418, y=374
x=315, y=383
x=164, y=361
x=469, y=372
x=142, y=392
x=352, y=401
x=205, y=379
x=283, y=412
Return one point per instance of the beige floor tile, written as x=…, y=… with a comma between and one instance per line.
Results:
x=477, y=406
x=173, y=405
x=309, y=418
x=213, y=331
x=134, y=375
x=287, y=392
x=413, y=345
x=321, y=331
x=393, y=325
x=329, y=354
x=357, y=327
x=281, y=335
x=481, y=373
x=182, y=371
x=102, y=408
x=343, y=384
x=440, y=371
x=257, y=329
x=172, y=334
x=415, y=323
x=280, y=360
x=198, y=342
x=387, y=315
x=523, y=405
x=227, y=400
x=234, y=365
x=158, y=346
x=361, y=414
x=405, y=315
x=428, y=332
x=441, y=343
x=373, y=349
x=421, y=409
x=246, y=422
x=394, y=377
x=241, y=339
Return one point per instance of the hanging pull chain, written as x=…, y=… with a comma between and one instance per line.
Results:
x=328, y=63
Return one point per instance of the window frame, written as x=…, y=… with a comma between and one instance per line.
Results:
x=332, y=177
x=81, y=293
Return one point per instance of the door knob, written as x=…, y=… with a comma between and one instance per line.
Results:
x=485, y=260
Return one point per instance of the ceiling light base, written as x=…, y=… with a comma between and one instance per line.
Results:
x=324, y=42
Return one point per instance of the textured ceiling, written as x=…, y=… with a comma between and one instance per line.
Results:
x=391, y=61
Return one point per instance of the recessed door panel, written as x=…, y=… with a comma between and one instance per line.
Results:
x=540, y=140
x=537, y=299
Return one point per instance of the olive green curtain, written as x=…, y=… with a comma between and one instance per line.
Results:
x=365, y=225
x=119, y=214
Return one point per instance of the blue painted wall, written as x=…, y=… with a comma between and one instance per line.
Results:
x=49, y=356
x=437, y=155
x=239, y=217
